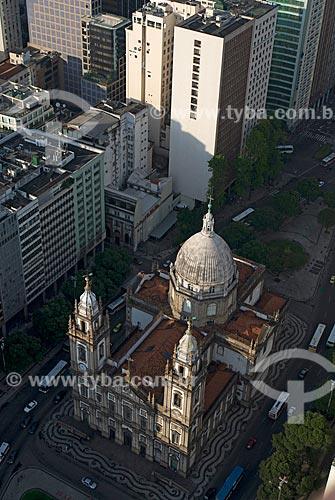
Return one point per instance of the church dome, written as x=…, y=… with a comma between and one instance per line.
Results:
x=205, y=260
x=88, y=301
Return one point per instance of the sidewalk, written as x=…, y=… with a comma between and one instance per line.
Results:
x=303, y=284
x=30, y=478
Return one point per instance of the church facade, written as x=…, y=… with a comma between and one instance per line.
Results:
x=193, y=335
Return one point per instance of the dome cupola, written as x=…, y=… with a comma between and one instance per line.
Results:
x=88, y=303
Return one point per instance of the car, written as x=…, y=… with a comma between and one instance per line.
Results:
x=137, y=261
x=86, y=481
x=33, y=427
x=166, y=264
x=291, y=411
x=30, y=406
x=12, y=457
x=321, y=184
x=210, y=493
x=332, y=280
x=303, y=373
x=251, y=443
x=25, y=422
x=61, y=395
x=117, y=328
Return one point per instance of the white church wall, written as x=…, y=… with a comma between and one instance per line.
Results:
x=255, y=295
x=140, y=318
x=233, y=359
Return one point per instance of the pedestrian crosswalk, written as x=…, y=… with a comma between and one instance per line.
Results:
x=317, y=137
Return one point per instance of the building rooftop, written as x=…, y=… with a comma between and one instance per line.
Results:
x=244, y=325
x=107, y=21
x=221, y=24
x=8, y=71
x=250, y=8
x=270, y=303
x=154, y=291
x=217, y=379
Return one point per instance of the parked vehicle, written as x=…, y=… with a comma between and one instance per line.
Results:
x=117, y=328
x=33, y=427
x=30, y=406
x=12, y=457
x=251, y=443
x=26, y=422
x=61, y=395
x=86, y=481
x=303, y=373
x=4, y=449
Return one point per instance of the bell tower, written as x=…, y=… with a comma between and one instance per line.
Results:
x=184, y=392
x=89, y=334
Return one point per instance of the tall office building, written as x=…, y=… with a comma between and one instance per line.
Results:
x=149, y=62
x=324, y=74
x=104, y=58
x=220, y=62
x=10, y=28
x=123, y=8
x=295, y=54
x=55, y=25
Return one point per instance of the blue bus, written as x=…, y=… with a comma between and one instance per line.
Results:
x=230, y=483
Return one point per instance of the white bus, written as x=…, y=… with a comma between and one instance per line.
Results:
x=288, y=149
x=331, y=339
x=117, y=304
x=4, y=448
x=278, y=406
x=48, y=380
x=243, y=215
x=313, y=345
x=328, y=160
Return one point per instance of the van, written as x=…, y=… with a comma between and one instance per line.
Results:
x=4, y=448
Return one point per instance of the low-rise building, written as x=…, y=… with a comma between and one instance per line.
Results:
x=142, y=209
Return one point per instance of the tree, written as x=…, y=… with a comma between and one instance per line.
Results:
x=287, y=203
x=218, y=181
x=297, y=450
x=266, y=218
x=237, y=234
x=51, y=320
x=21, y=351
x=327, y=217
x=285, y=254
x=309, y=189
x=255, y=250
x=189, y=222
x=244, y=178
x=329, y=197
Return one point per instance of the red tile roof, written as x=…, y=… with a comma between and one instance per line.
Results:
x=8, y=71
x=270, y=303
x=215, y=384
x=245, y=325
x=154, y=291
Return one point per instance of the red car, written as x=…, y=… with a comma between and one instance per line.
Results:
x=251, y=443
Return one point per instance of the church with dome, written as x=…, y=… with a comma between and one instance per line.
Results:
x=193, y=335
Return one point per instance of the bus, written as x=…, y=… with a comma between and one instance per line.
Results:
x=313, y=345
x=48, y=380
x=331, y=339
x=240, y=217
x=328, y=160
x=288, y=149
x=4, y=448
x=119, y=303
x=278, y=406
x=230, y=483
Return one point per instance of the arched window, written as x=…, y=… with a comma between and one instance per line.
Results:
x=187, y=307
x=82, y=355
x=211, y=309
x=177, y=400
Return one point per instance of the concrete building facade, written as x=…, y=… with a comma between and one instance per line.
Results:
x=294, y=57
x=10, y=28
x=55, y=25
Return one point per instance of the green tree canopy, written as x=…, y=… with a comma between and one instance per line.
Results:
x=285, y=254
x=329, y=197
x=309, y=188
x=21, y=351
x=189, y=222
x=218, y=182
x=51, y=320
x=266, y=218
x=287, y=203
x=255, y=250
x=237, y=234
x=297, y=450
x=327, y=217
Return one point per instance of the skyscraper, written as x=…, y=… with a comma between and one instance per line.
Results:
x=295, y=53
x=221, y=63
x=10, y=28
x=55, y=25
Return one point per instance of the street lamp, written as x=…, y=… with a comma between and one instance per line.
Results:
x=2, y=347
x=282, y=480
x=332, y=386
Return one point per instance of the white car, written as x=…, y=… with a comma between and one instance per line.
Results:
x=321, y=184
x=30, y=406
x=167, y=264
x=291, y=411
x=86, y=481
